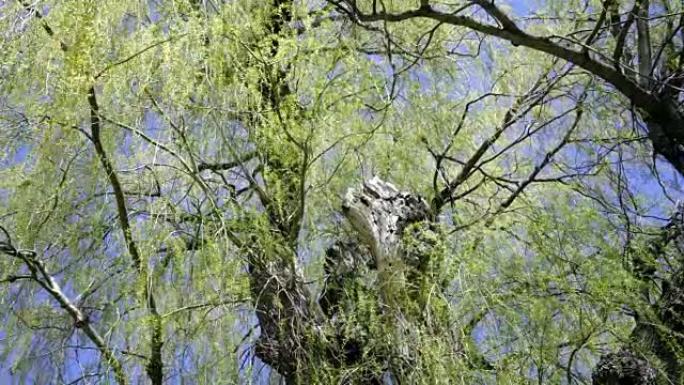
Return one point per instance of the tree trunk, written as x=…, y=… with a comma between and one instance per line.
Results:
x=657, y=338
x=298, y=336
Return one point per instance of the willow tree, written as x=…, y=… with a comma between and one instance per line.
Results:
x=337, y=192
x=636, y=48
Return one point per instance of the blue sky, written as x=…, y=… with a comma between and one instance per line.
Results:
x=641, y=179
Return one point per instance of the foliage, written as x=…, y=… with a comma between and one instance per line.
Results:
x=175, y=176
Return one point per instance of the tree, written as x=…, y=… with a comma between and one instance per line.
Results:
x=340, y=192
x=625, y=46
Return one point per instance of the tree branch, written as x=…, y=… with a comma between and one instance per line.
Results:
x=512, y=33
x=40, y=275
x=520, y=107
x=662, y=114
x=547, y=159
x=155, y=364
x=644, y=45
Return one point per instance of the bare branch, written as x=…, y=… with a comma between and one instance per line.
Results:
x=644, y=45
x=40, y=275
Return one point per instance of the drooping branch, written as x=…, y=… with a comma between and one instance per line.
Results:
x=42, y=277
x=155, y=363
x=119, y=195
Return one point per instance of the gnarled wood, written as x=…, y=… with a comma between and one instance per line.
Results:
x=624, y=368
x=379, y=213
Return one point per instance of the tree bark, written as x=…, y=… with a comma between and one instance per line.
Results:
x=659, y=336
x=381, y=215
x=298, y=335
x=658, y=108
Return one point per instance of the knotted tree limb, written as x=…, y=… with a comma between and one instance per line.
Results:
x=393, y=235
x=379, y=213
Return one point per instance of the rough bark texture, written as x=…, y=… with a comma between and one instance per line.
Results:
x=379, y=213
x=656, y=99
x=624, y=368
x=297, y=335
x=282, y=308
x=657, y=339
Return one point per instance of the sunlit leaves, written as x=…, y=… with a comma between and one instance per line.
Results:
x=300, y=116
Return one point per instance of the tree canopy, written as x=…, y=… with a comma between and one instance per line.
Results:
x=341, y=191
